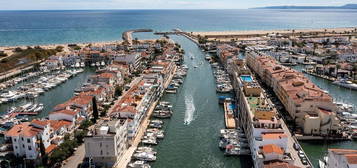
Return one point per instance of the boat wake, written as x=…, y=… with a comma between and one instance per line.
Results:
x=190, y=109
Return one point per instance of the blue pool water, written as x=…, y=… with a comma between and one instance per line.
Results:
x=246, y=78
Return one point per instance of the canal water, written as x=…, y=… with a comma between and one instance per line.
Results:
x=191, y=135
x=317, y=149
x=55, y=96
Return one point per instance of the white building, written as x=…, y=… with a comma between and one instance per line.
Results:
x=107, y=142
x=342, y=158
x=25, y=139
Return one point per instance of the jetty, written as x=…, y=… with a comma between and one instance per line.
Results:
x=127, y=35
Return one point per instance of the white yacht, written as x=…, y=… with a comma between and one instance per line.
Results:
x=346, y=84
x=77, y=65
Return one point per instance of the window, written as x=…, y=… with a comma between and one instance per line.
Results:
x=29, y=147
x=22, y=138
x=101, y=152
x=28, y=140
x=23, y=145
x=15, y=139
x=15, y=147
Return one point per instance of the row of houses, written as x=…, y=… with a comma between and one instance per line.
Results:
x=26, y=137
x=104, y=53
x=110, y=138
x=310, y=107
x=270, y=142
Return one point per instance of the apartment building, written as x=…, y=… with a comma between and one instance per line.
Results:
x=25, y=139
x=107, y=142
x=267, y=134
x=134, y=104
x=311, y=108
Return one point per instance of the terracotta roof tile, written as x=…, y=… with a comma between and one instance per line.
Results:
x=272, y=148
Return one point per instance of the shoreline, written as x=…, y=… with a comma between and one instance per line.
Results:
x=202, y=33
x=281, y=31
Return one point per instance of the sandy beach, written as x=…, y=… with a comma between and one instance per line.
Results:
x=249, y=32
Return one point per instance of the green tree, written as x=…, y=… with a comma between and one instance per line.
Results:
x=85, y=124
x=95, y=110
x=79, y=136
x=118, y=91
x=44, y=157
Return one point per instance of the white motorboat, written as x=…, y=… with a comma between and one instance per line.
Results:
x=346, y=84
x=139, y=164
x=144, y=156
x=39, y=108
x=323, y=162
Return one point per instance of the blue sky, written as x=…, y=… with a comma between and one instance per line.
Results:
x=156, y=4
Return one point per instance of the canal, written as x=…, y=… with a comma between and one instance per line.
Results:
x=191, y=135
x=55, y=96
x=317, y=149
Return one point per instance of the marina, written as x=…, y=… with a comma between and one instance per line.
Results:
x=195, y=122
x=14, y=112
x=33, y=89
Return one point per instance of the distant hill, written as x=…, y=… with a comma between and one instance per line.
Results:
x=347, y=6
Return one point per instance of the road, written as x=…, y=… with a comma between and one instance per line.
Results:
x=75, y=159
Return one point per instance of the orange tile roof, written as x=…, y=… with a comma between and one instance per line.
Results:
x=272, y=148
x=39, y=122
x=279, y=165
x=126, y=102
x=24, y=129
x=50, y=148
x=57, y=124
x=274, y=135
x=81, y=100
x=342, y=151
x=106, y=75
x=68, y=112
x=351, y=158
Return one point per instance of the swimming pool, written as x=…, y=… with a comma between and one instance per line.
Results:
x=246, y=78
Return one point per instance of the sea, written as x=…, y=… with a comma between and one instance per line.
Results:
x=72, y=26
x=191, y=135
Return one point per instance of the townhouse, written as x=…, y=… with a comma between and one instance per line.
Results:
x=269, y=138
x=134, y=104
x=310, y=107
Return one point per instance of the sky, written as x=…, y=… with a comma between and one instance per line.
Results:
x=157, y=4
